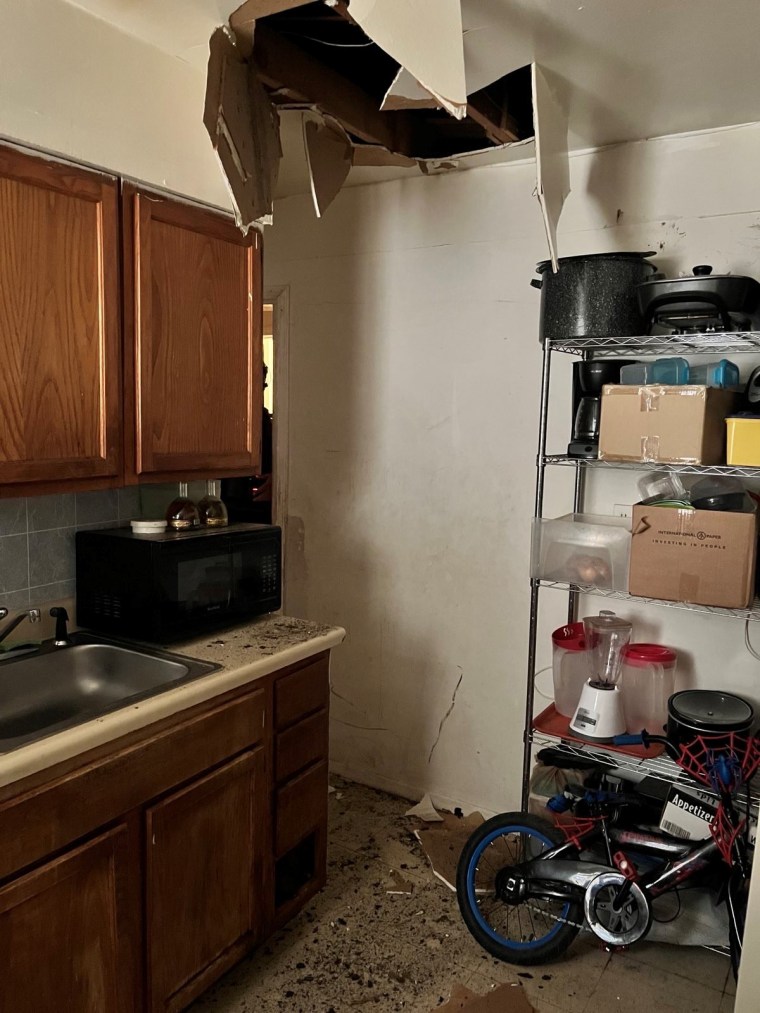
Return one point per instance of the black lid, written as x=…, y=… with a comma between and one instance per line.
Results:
x=711, y=710
x=545, y=265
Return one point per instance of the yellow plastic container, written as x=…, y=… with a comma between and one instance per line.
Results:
x=743, y=442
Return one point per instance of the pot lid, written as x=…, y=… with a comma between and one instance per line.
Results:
x=699, y=273
x=545, y=265
x=649, y=654
x=570, y=638
x=710, y=709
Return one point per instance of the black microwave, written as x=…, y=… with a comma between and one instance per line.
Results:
x=161, y=587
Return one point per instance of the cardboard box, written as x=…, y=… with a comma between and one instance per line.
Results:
x=706, y=557
x=670, y=425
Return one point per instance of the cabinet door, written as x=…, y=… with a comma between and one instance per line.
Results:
x=194, y=308
x=203, y=879
x=64, y=937
x=60, y=354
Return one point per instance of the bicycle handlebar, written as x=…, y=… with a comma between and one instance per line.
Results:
x=643, y=738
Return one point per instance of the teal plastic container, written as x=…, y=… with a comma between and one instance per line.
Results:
x=673, y=371
x=716, y=374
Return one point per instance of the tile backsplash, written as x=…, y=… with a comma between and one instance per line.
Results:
x=37, y=540
x=37, y=561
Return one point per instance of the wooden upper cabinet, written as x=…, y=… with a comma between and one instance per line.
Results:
x=60, y=353
x=193, y=319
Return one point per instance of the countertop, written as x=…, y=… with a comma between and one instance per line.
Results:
x=246, y=653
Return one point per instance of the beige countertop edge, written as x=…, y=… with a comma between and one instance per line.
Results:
x=71, y=742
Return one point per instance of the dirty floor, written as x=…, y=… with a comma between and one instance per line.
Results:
x=359, y=947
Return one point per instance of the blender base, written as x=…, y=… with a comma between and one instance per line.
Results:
x=599, y=714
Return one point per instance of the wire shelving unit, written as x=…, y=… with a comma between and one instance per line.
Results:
x=587, y=348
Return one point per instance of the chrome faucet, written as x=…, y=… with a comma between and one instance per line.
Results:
x=33, y=615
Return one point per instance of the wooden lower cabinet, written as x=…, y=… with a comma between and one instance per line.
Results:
x=133, y=877
x=201, y=874
x=64, y=933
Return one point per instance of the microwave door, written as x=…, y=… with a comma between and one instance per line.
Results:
x=199, y=583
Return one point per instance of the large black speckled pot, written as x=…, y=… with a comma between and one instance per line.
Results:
x=592, y=296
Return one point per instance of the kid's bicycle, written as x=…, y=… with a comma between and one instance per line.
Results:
x=527, y=887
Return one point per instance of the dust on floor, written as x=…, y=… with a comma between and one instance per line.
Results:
x=366, y=944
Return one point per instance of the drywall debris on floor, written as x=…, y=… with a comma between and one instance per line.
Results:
x=508, y=998
x=425, y=810
x=399, y=885
x=443, y=844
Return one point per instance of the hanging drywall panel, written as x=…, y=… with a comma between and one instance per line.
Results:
x=242, y=20
x=552, y=162
x=398, y=26
x=375, y=155
x=329, y=156
x=497, y=40
x=244, y=129
x=406, y=92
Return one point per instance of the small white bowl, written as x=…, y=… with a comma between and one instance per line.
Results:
x=148, y=527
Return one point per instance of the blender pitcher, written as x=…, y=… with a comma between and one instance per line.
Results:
x=599, y=715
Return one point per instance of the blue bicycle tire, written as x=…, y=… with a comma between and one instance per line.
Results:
x=538, y=939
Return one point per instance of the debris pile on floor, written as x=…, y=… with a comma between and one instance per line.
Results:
x=444, y=840
x=508, y=998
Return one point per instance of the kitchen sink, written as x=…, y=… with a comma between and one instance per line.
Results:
x=53, y=688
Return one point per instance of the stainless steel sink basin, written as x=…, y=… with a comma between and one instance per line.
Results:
x=56, y=688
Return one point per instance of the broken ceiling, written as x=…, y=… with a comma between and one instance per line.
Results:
x=370, y=95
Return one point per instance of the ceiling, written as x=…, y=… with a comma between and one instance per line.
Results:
x=632, y=68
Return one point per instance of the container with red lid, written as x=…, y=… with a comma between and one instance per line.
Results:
x=569, y=666
x=647, y=683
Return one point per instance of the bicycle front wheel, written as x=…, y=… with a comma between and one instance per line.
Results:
x=527, y=931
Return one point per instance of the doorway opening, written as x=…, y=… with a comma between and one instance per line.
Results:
x=252, y=498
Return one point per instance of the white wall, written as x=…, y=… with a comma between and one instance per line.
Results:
x=414, y=398
x=74, y=85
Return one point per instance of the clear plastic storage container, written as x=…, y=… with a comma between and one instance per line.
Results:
x=569, y=666
x=647, y=683
x=636, y=374
x=671, y=371
x=582, y=549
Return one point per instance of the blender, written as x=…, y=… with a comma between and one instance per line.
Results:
x=599, y=715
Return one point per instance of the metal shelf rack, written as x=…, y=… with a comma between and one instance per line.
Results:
x=734, y=471
x=660, y=767
x=648, y=344
x=717, y=343
x=752, y=613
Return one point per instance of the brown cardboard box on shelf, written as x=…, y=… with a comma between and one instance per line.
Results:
x=706, y=557
x=669, y=425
